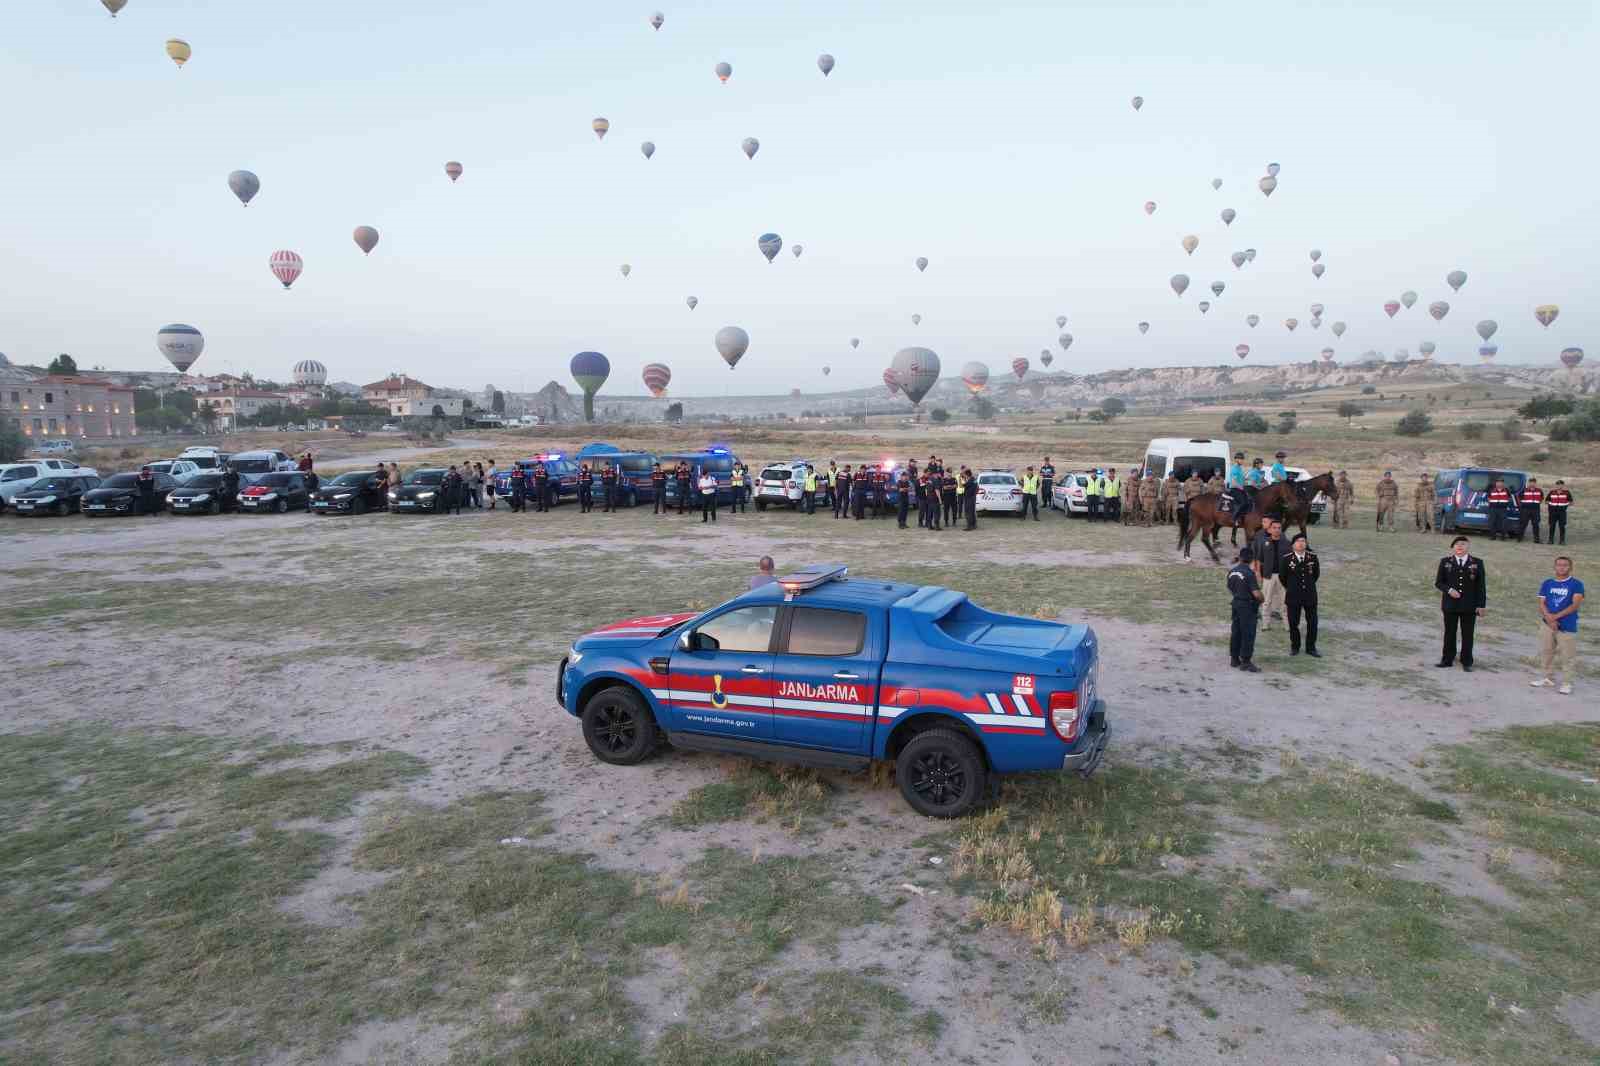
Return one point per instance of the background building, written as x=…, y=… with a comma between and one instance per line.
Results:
x=58, y=406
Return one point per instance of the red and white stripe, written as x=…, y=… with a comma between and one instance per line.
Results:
x=285, y=266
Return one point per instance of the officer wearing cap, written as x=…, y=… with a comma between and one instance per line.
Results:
x=1246, y=594
x=1341, y=503
x=1279, y=472
x=658, y=486
x=1030, y=495
x=585, y=489
x=1422, y=500
x=1388, y=499
x=1236, y=485
x=903, y=486
x=1047, y=481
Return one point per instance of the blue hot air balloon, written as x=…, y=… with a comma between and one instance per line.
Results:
x=590, y=370
x=770, y=244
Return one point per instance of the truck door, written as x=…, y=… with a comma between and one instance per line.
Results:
x=826, y=678
x=722, y=682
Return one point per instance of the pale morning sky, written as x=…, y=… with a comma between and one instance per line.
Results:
x=995, y=138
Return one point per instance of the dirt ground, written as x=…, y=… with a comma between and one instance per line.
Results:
x=439, y=637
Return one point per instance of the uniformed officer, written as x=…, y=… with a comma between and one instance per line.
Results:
x=1422, y=499
x=1279, y=472
x=1299, y=571
x=1246, y=594
x=1111, y=493
x=739, y=484
x=658, y=488
x=1342, y=502
x=1030, y=494
x=585, y=489
x=808, y=491
x=1148, y=492
x=1556, y=504
x=452, y=490
x=708, y=496
x=935, y=487
x=1464, y=588
x=683, y=484
x=1130, y=496
x=969, y=498
x=1388, y=499
x=1047, y=482
x=1499, y=500
x=541, y=483
x=858, y=494
x=608, y=485
x=230, y=490
x=1236, y=483
x=1167, y=499
x=519, y=488
x=1528, y=503
x=1091, y=496
x=832, y=486
x=841, y=496
x=903, y=485
x=950, y=489
x=880, y=491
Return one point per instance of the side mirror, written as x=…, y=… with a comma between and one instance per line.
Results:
x=688, y=641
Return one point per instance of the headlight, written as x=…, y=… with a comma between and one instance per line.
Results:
x=574, y=656
x=202, y=498
x=425, y=495
x=342, y=496
x=394, y=495
x=267, y=496
x=45, y=499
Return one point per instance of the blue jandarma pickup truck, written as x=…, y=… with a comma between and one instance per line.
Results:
x=823, y=669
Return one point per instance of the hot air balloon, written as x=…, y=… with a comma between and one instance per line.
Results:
x=1408, y=298
x=922, y=263
x=657, y=19
x=1545, y=314
x=1427, y=348
x=1391, y=307
x=1239, y=259
x=825, y=64
x=797, y=249
x=1455, y=279
x=178, y=51
x=590, y=370
x=1488, y=352
x=1179, y=283
x=1043, y=352
x=855, y=342
x=1144, y=327
x=600, y=126
x=1267, y=184
x=1338, y=329
x=245, y=185
x=826, y=369
x=285, y=266
x=1401, y=355
x=1486, y=328
x=1138, y=102
x=693, y=302
x=1046, y=358
x=1316, y=322
x=1190, y=243
x=1272, y=170
x=1316, y=310
x=889, y=380
x=656, y=377
x=648, y=149
x=366, y=238
x=975, y=376
x=1065, y=340
x=1316, y=253
x=114, y=6
x=181, y=345
x=1216, y=183
x=750, y=147
x=1061, y=321
x=732, y=342
x=1291, y=323
x=626, y=270
x=1250, y=255
x=1217, y=287
x=770, y=244
x=916, y=320
x=1438, y=309
x=724, y=72
x=1571, y=357
x=1149, y=207
x=1228, y=215
x=1327, y=355
x=1019, y=367
x=452, y=170
x=1241, y=350
x=1252, y=320
x=1317, y=270
x=1204, y=305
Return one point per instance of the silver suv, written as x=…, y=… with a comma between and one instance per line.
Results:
x=781, y=483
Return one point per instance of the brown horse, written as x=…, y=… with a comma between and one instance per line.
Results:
x=1291, y=499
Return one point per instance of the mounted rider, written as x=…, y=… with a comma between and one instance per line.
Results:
x=1236, y=485
x=1279, y=472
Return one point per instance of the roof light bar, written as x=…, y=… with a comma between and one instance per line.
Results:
x=812, y=577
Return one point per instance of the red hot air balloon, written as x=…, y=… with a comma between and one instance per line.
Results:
x=285, y=266
x=891, y=380
x=656, y=377
x=1241, y=350
x=1019, y=367
x=1391, y=308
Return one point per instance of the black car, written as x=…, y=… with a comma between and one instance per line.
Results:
x=354, y=493
x=53, y=495
x=422, y=490
x=201, y=494
x=278, y=492
x=119, y=494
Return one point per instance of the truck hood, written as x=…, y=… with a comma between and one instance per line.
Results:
x=632, y=631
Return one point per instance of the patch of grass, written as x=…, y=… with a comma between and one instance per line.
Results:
x=786, y=794
x=1575, y=747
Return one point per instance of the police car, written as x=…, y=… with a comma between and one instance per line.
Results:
x=561, y=470
x=1069, y=495
x=784, y=483
x=999, y=490
x=822, y=669
x=715, y=460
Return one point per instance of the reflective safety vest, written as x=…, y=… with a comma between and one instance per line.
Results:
x=1531, y=496
x=1559, y=498
x=811, y=481
x=1030, y=485
x=1111, y=487
x=1500, y=496
x=833, y=477
x=1091, y=486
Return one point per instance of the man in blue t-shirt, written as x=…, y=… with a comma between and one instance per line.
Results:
x=1559, y=598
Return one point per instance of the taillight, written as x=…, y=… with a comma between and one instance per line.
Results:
x=1064, y=714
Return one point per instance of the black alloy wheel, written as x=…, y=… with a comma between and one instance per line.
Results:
x=214, y=507
x=60, y=509
x=618, y=727
x=282, y=506
x=941, y=773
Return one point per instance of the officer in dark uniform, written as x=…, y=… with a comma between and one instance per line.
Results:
x=313, y=483
x=1298, y=571
x=519, y=488
x=230, y=490
x=146, y=484
x=585, y=489
x=1246, y=595
x=608, y=485
x=1556, y=504
x=1528, y=502
x=1047, y=483
x=681, y=476
x=880, y=492
x=904, y=486
x=1464, y=589
x=949, y=488
x=541, y=482
x=658, y=488
x=969, y=491
x=858, y=494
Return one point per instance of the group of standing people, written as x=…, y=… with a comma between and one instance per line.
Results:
x=1280, y=577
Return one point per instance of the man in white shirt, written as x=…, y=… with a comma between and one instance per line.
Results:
x=708, y=497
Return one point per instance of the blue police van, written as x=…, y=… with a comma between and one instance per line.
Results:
x=633, y=484
x=715, y=460
x=1461, y=497
x=821, y=669
x=561, y=469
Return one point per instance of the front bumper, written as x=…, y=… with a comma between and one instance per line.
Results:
x=334, y=505
x=1092, y=745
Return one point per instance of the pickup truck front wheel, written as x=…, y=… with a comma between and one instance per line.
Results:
x=618, y=727
x=941, y=774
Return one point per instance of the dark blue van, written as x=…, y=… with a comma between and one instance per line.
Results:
x=634, y=486
x=1461, y=497
x=560, y=468
x=716, y=461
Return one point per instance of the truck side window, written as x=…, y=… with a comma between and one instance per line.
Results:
x=818, y=631
x=746, y=629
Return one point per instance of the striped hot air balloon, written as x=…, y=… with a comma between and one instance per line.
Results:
x=656, y=378
x=890, y=381
x=285, y=266
x=1545, y=314
x=1571, y=357
x=1019, y=367
x=453, y=170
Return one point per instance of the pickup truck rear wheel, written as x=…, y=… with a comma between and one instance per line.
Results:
x=618, y=727
x=941, y=773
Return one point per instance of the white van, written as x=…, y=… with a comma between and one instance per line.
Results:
x=1188, y=455
x=205, y=458
x=252, y=465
